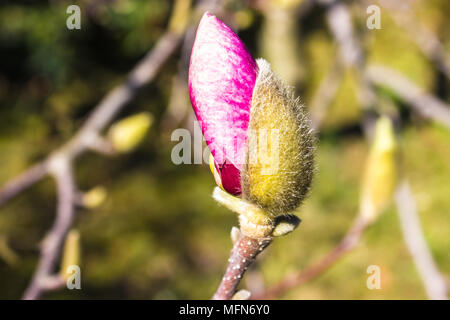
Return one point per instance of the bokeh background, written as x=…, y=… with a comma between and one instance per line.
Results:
x=159, y=234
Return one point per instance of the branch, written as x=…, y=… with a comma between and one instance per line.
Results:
x=51, y=246
x=325, y=94
x=103, y=114
x=425, y=104
x=22, y=182
x=348, y=243
x=426, y=41
x=350, y=53
x=242, y=256
x=434, y=282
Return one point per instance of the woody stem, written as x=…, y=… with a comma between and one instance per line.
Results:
x=242, y=255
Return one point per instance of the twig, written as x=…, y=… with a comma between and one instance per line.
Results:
x=22, y=182
x=426, y=41
x=51, y=246
x=425, y=104
x=325, y=94
x=242, y=256
x=351, y=54
x=102, y=115
x=434, y=282
x=349, y=242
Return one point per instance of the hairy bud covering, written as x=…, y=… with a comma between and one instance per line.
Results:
x=280, y=151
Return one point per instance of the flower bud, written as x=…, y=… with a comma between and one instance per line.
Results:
x=125, y=135
x=260, y=138
x=380, y=176
x=222, y=74
x=277, y=184
x=71, y=252
x=94, y=197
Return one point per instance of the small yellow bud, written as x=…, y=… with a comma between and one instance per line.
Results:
x=244, y=18
x=287, y=4
x=94, y=197
x=180, y=16
x=71, y=253
x=125, y=135
x=241, y=295
x=380, y=176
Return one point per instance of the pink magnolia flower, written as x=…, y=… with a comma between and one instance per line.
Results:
x=222, y=75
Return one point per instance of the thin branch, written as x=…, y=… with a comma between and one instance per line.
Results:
x=51, y=246
x=434, y=282
x=325, y=94
x=116, y=99
x=425, y=104
x=103, y=114
x=242, y=256
x=426, y=41
x=349, y=242
x=22, y=182
x=351, y=54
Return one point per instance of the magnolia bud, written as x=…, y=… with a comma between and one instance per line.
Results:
x=125, y=135
x=94, y=197
x=279, y=183
x=260, y=138
x=180, y=16
x=380, y=176
x=71, y=253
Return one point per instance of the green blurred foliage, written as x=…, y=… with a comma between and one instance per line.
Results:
x=159, y=234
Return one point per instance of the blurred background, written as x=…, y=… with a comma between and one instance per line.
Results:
x=158, y=234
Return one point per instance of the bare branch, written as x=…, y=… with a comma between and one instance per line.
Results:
x=22, y=182
x=426, y=41
x=102, y=115
x=242, y=256
x=425, y=104
x=351, y=54
x=434, y=282
x=324, y=95
x=51, y=246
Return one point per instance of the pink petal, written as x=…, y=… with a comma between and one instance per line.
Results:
x=222, y=74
